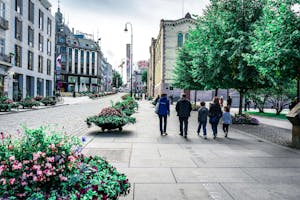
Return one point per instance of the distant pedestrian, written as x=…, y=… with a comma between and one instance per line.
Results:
x=202, y=119
x=215, y=113
x=221, y=101
x=294, y=103
x=229, y=102
x=183, y=109
x=227, y=120
x=163, y=112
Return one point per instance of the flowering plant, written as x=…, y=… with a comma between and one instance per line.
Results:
x=244, y=119
x=40, y=165
x=29, y=102
x=6, y=104
x=38, y=98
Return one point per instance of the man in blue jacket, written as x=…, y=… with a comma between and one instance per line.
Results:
x=163, y=112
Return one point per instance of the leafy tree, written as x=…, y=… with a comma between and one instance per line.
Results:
x=117, y=79
x=145, y=77
x=276, y=43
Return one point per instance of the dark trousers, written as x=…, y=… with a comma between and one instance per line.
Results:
x=203, y=124
x=183, y=122
x=225, y=128
x=162, y=122
x=214, y=127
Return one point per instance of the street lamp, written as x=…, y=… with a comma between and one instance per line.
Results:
x=131, y=54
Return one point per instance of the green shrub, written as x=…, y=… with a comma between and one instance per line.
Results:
x=29, y=102
x=49, y=101
x=43, y=164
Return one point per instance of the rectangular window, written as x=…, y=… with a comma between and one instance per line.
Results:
x=18, y=29
x=70, y=60
x=18, y=56
x=49, y=26
x=49, y=47
x=30, y=11
x=48, y=67
x=93, y=63
x=2, y=10
x=81, y=61
x=30, y=37
x=40, y=69
x=2, y=46
x=19, y=6
x=87, y=62
x=30, y=60
x=41, y=20
x=41, y=43
x=76, y=61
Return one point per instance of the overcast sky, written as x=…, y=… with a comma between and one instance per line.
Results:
x=108, y=18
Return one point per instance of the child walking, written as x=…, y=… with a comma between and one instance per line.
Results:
x=202, y=118
x=226, y=120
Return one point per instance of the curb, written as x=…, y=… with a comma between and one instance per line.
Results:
x=28, y=110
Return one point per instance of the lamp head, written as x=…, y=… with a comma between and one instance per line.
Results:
x=125, y=28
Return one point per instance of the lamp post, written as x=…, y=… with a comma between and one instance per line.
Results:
x=131, y=54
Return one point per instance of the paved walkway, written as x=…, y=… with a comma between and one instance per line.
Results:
x=172, y=168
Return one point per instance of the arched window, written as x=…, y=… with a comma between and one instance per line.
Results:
x=187, y=36
x=179, y=40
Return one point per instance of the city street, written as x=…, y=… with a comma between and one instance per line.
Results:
x=170, y=167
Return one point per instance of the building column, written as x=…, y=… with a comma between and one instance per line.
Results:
x=73, y=61
x=84, y=62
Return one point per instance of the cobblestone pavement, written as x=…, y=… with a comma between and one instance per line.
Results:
x=70, y=117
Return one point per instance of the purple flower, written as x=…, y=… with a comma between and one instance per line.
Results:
x=83, y=139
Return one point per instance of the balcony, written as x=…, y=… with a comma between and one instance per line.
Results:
x=5, y=61
x=3, y=23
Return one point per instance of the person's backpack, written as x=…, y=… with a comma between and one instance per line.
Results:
x=157, y=107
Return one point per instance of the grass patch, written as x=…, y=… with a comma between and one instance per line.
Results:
x=266, y=114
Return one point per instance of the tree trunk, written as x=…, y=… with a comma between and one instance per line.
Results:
x=216, y=92
x=195, y=97
x=241, y=102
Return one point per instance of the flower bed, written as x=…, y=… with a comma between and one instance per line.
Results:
x=29, y=102
x=244, y=119
x=7, y=104
x=49, y=101
x=110, y=118
x=128, y=106
x=195, y=107
x=44, y=165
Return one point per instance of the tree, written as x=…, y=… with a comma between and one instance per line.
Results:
x=276, y=43
x=145, y=77
x=117, y=79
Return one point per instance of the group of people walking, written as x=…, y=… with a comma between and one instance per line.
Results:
x=184, y=108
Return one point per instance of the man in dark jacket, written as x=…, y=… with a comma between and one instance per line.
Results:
x=183, y=109
x=163, y=112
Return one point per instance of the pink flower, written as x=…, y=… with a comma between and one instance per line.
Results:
x=71, y=158
x=12, y=181
x=17, y=166
x=36, y=167
x=12, y=158
x=62, y=178
x=47, y=172
x=39, y=172
x=25, y=162
x=50, y=159
x=2, y=168
x=36, y=156
x=52, y=146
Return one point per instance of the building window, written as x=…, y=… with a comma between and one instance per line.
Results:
x=30, y=11
x=87, y=62
x=2, y=9
x=41, y=43
x=49, y=47
x=76, y=61
x=19, y=6
x=41, y=20
x=40, y=69
x=187, y=36
x=30, y=36
x=2, y=46
x=49, y=26
x=30, y=60
x=70, y=60
x=93, y=63
x=18, y=56
x=18, y=29
x=48, y=67
x=179, y=40
x=81, y=61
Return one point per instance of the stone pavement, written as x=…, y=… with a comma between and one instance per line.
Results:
x=172, y=168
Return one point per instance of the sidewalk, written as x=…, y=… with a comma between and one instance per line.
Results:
x=172, y=168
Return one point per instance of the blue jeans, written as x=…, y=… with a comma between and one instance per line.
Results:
x=162, y=127
x=204, y=127
x=214, y=127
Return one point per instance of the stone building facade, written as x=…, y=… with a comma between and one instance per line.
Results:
x=31, y=44
x=163, y=54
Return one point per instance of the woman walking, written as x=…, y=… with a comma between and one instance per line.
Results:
x=215, y=113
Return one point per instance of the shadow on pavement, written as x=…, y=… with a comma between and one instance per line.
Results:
x=109, y=134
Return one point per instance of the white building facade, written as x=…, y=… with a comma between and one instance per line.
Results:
x=32, y=41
